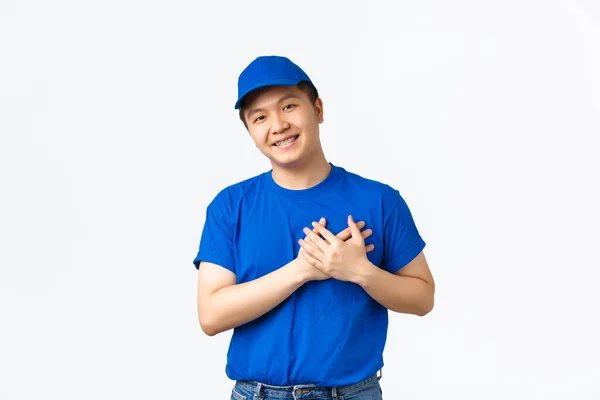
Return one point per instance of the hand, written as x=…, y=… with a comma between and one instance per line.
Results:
x=340, y=259
x=317, y=274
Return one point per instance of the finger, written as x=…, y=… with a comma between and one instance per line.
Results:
x=345, y=234
x=322, y=221
x=330, y=237
x=315, y=239
x=366, y=233
x=311, y=248
x=369, y=247
x=312, y=261
x=353, y=228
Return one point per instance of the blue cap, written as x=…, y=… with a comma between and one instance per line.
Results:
x=269, y=71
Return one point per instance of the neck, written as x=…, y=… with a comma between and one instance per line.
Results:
x=302, y=176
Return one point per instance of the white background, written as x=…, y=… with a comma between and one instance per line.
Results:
x=118, y=128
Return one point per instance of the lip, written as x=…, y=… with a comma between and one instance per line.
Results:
x=284, y=138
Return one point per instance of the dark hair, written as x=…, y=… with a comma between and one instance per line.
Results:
x=305, y=86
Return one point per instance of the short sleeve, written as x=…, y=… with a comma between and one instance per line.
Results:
x=402, y=240
x=216, y=241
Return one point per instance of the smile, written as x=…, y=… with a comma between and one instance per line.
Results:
x=286, y=142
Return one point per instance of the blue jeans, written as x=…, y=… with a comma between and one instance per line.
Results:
x=369, y=389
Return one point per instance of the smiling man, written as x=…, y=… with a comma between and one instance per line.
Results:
x=305, y=261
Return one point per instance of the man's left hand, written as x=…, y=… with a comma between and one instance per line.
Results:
x=342, y=260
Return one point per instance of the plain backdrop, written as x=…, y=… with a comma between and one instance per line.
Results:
x=118, y=128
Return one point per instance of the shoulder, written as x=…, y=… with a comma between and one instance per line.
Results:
x=371, y=188
x=236, y=192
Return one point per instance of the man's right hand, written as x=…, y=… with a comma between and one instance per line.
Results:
x=224, y=304
x=313, y=273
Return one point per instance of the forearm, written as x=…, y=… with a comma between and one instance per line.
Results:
x=236, y=305
x=402, y=294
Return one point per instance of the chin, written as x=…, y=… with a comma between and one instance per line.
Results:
x=287, y=162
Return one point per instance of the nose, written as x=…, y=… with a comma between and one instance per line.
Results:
x=279, y=124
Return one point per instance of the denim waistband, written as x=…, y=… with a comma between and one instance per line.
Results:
x=301, y=391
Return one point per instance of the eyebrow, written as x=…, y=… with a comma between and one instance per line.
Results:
x=283, y=98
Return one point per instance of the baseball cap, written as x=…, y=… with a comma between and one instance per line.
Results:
x=269, y=71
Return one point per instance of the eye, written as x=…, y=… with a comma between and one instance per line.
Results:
x=259, y=119
x=289, y=107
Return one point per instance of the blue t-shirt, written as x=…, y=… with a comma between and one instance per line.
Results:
x=328, y=333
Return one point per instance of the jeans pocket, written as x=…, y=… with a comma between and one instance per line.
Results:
x=369, y=392
x=236, y=396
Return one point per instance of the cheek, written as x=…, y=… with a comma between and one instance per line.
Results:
x=303, y=122
x=258, y=136
x=309, y=124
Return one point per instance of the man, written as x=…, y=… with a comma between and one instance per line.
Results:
x=285, y=262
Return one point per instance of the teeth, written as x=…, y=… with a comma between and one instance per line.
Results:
x=290, y=140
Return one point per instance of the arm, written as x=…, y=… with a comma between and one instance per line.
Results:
x=410, y=290
x=223, y=305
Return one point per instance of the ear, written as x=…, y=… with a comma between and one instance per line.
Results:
x=319, y=109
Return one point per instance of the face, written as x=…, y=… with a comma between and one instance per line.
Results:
x=284, y=125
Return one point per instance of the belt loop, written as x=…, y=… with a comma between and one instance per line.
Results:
x=379, y=374
x=257, y=391
x=334, y=394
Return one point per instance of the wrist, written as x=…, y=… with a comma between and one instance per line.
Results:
x=367, y=271
x=299, y=272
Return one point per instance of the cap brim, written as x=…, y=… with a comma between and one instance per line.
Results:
x=273, y=82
